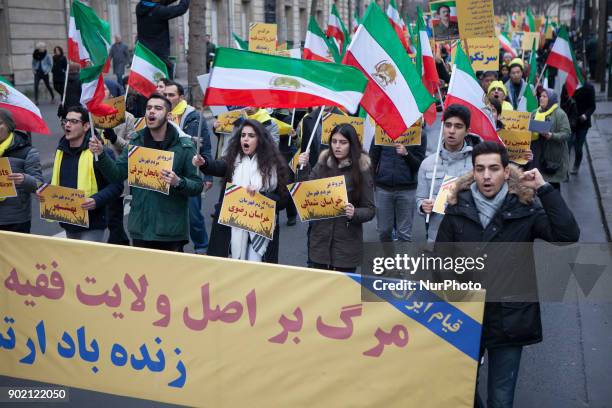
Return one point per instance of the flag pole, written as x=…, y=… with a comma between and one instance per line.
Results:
x=541, y=75
x=91, y=127
x=198, y=136
x=292, y=119
x=314, y=129
x=66, y=82
x=127, y=90
x=435, y=168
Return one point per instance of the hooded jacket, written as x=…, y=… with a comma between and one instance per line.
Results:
x=337, y=241
x=395, y=172
x=521, y=219
x=152, y=25
x=23, y=159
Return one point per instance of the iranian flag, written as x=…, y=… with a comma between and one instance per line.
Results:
x=89, y=38
x=426, y=65
x=240, y=43
x=397, y=23
x=513, y=20
x=317, y=47
x=147, y=69
x=395, y=96
x=506, y=44
x=337, y=30
x=252, y=79
x=529, y=21
x=25, y=113
x=528, y=101
x=562, y=57
x=92, y=91
x=464, y=89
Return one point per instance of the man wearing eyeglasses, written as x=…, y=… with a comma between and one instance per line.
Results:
x=74, y=167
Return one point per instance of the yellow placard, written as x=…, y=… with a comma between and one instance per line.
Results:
x=528, y=38
x=411, y=137
x=7, y=187
x=515, y=120
x=476, y=18
x=262, y=38
x=330, y=121
x=184, y=329
x=442, y=197
x=484, y=53
x=517, y=143
x=63, y=204
x=294, y=163
x=254, y=214
x=111, y=121
x=145, y=167
x=226, y=120
x=319, y=199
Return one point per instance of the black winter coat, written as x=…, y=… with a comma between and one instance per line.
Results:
x=395, y=172
x=152, y=25
x=521, y=218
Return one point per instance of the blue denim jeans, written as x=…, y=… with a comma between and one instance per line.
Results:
x=503, y=372
x=197, y=226
x=395, y=211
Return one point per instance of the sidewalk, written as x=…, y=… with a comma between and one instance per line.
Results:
x=599, y=153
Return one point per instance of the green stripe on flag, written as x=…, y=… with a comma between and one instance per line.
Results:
x=462, y=62
x=95, y=32
x=329, y=75
x=143, y=52
x=377, y=25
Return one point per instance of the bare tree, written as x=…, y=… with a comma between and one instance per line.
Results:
x=196, y=57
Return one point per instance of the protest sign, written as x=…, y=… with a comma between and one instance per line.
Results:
x=442, y=197
x=254, y=214
x=262, y=38
x=184, y=329
x=7, y=187
x=145, y=168
x=319, y=199
x=114, y=120
x=63, y=204
x=411, y=137
x=515, y=120
x=475, y=18
x=528, y=38
x=484, y=53
x=517, y=143
x=226, y=120
x=332, y=120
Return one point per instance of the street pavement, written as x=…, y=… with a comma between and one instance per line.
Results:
x=570, y=368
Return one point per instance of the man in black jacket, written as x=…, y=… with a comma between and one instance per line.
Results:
x=585, y=107
x=396, y=170
x=152, y=26
x=496, y=203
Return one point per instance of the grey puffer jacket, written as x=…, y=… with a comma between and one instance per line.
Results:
x=337, y=241
x=23, y=159
x=452, y=164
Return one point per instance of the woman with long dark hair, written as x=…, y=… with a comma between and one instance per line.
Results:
x=59, y=70
x=335, y=243
x=254, y=162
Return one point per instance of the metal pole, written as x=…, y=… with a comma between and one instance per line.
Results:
x=314, y=129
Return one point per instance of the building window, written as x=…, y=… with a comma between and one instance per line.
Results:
x=214, y=13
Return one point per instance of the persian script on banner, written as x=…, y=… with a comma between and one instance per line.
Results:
x=114, y=120
x=145, y=168
x=442, y=198
x=254, y=214
x=411, y=137
x=7, y=187
x=319, y=199
x=334, y=119
x=63, y=204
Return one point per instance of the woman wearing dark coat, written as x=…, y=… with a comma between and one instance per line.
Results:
x=335, y=243
x=252, y=161
x=59, y=70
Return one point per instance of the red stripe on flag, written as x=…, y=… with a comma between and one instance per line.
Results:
x=264, y=98
x=376, y=102
x=562, y=63
x=480, y=124
x=336, y=32
x=26, y=120
x=95, y=105
x=141, y=84
x=309, y=55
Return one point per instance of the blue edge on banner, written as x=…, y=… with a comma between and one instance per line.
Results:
x=466, y=339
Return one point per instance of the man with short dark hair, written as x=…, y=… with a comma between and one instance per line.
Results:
x=486, y=78
x=454, y=160
x=74, y=167
x=516, y=84
x=188, y=119
x=496, y=203
x=156, y=220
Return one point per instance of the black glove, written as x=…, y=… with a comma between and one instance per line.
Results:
x=60, y=111
x=110, y=135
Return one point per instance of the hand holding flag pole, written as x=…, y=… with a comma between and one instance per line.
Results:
x=435, y=168
x=314, y=129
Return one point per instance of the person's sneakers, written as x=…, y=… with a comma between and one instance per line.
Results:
x=574, y=171
x=290, y=221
